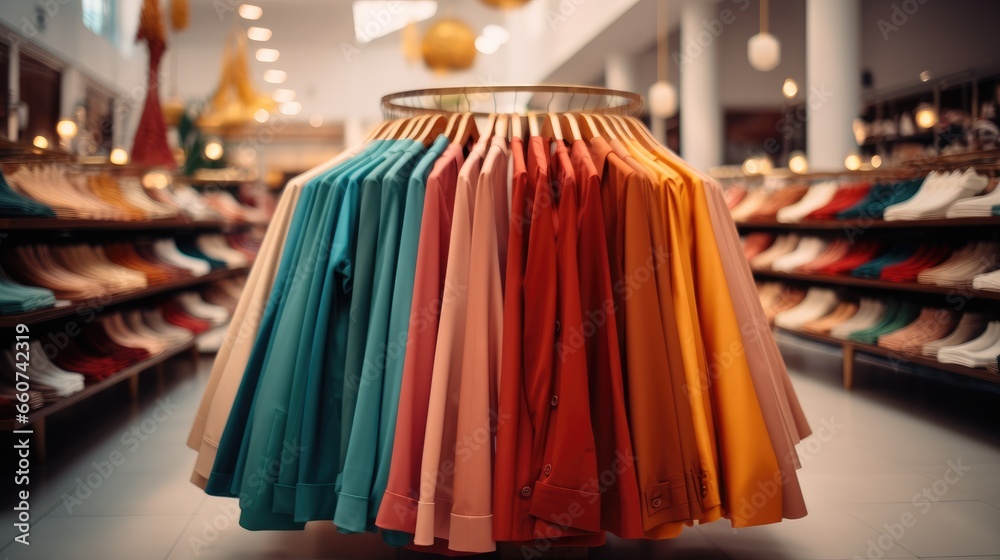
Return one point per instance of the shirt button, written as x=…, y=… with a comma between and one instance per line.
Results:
x=704, y=491
x=554, y=401
x=526, y=491
x=657, y=503
x=547, y=470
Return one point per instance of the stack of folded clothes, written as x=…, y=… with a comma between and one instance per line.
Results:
x=807, y=250
x=783, y=245
x=879, y=197
x=970, y=326
x=845, y=197
x=978, y=352
x=818, y=196
x=15, y=205
x=938, y=192
x=18, y=298
x=963, y=266
x=755, y=243
x=976, y=206
x=930, y=325
x=817, y=303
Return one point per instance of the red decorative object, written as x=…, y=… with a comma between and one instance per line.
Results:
x=150, y=146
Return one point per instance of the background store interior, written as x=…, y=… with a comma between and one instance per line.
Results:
x=926, y=84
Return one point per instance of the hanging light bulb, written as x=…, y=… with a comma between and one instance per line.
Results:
x=876, y=161
x=763, y=49
x=926, y=115
x=789, y=88
x=798, y=163
x=860, y=130
x=853, y=162
x=66, y=128
x=213, y=150
x=118, y=156
x=662, y=96
x=41, y=142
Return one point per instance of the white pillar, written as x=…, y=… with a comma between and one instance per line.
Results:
x=619, y=72
x=833, y=78
x=72, y=91
x=700, y=108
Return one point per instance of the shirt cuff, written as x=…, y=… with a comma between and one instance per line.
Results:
x=397, y=513
x=352, y=513
x=567, y=507
x=471, y=533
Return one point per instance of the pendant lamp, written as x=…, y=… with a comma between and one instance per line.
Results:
x=662, y=95
x=763, y=49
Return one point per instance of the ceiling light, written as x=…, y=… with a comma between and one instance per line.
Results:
x=66, y=128
x=258, y=34
x=374, y=19
x=275, y=76
x=662, y=100
x=486, y=45
x=118, y=156
x=926, y=116
x=261, y=115
x=213, y=150
x=925, y=76
x=876, y=161
x=853, y=162
x=798, y=163
x=267, y=55
x=41, y=142
x=790, y=89
x=283, y=95
x=496, y=33
x=249, y=11
x=316, y=120
x=290, y=108
x=763, y=52
x=860, y=130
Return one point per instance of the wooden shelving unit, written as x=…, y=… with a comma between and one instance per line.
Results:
x=54, y=224
x=866, y=224
x=870, y=283
x=38, y=416
x=850, y=347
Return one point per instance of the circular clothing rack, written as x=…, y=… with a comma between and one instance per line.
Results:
x=486, y=100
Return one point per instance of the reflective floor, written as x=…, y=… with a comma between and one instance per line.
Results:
x=901, y=467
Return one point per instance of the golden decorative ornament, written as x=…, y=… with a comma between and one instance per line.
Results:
x=235, y=101
x=449, y=45
x=506, y=4
x=180, y=14
x=410, y=46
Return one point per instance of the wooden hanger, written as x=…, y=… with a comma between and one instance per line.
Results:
x=588, y=127
x=487, y=131
x=572, y=126
x=639, y=133
x=502, y=123
x=515, y=127
x=550, y=127
x=436, y=126
x=452, y=121
x=533, y=124
x=602, y=124
x=413, y=126
x=466, y=130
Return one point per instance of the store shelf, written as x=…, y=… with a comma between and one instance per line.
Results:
x=55, y=224
x=844, y=280
x=83, y=307
x=850, y=347
x=923, y=138
x=863, y=224
x=40, y=414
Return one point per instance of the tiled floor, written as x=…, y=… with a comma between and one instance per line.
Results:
x=902, y=467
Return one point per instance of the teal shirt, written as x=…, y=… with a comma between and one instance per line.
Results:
x=354, y=508
x=369, y=215
x=244, y=465
x=315, y=490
